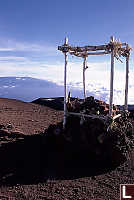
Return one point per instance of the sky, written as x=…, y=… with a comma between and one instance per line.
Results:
x=31, y=30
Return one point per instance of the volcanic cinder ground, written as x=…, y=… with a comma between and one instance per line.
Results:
x=28, y=171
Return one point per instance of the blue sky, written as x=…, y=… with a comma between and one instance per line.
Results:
x=49, y=21
x=31, y=30
x=46, y=22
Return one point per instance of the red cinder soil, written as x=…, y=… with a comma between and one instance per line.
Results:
x=31, y=168
x=27, y=118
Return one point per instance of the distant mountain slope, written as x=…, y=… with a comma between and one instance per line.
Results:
x=28, y=89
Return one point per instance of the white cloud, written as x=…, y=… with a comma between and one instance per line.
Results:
x=97, y=81
x=7, y=45
x=12, y=58
x=6, y=49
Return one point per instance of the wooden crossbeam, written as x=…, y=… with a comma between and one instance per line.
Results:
x=122, y=49
x=87, y=54
x=93, y=116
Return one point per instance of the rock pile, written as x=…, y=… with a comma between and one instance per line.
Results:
x=90, y=106
x=101, y=138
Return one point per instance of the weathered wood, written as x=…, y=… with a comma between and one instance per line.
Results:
x=84, y=68
x=88, y=116
x=65, y=87
x=116, y=116
x=99, y=53
x=126, y=84
x=89, y=48
x=80, y=51
x=87, y=54
x=111, y=80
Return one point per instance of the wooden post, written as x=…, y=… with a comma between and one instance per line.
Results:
x=126, y=84
x=111, y=79
x=65, y=86
x=84, y=69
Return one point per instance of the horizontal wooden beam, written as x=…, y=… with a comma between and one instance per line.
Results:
x=116, y=116
x=88, y=116
x=99, y=53
x=86, y=54
x=93, y=116
x=89, y=48
x=93, y=50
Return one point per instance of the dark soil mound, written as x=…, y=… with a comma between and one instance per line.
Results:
x=46, y=165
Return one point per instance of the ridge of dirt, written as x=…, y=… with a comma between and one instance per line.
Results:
x=27, y=118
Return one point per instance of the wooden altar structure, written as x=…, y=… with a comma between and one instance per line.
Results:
x=116, y=48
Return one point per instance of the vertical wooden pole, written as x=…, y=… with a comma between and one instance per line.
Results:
x=111, y=80
x=65, y=86
x=126, y=84
x=84, y=69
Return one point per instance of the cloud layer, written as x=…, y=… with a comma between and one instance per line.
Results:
x=97, y=80
x=15, y=46
x=22, y=59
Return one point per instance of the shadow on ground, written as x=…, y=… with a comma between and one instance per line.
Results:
x=37, y=158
